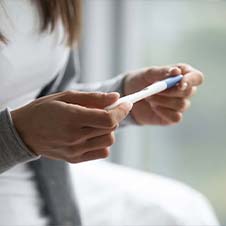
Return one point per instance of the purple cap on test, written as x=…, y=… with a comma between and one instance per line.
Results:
x=172, y=81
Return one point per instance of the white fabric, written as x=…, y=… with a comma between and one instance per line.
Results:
x=30, y=59
x=111, y=195
x=27, y=63
x=20, y=201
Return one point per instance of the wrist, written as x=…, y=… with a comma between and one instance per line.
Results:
x=19, y=126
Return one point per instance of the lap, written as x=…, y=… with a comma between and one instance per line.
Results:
x=109, y=194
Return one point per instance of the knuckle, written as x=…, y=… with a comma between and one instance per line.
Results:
x=181, y=64
x=115, y=127
x=188, y=104
x=110, y=140
x=188, y=92
x=165, y=70
x=110, y=122
x=74, y=160
x=185, y=105
x=193, y=92
x=99, y=95
x=67, y=158
x=182, y=104
x=71, y=157
x=177, y=117
x=106, y=114
x=104, y=154
x=151, y=70
x=70, y=153
x=103, y=96
x=202, y=77
x=69, y=93
x=76, y=150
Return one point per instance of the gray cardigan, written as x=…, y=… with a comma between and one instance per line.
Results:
x=52, y=176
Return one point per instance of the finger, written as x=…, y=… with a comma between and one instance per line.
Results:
x=89, y=99
x=177, y=92
x=98, y=118
x=155, y=74
x=91, y=133
x=176, y=104
x=119, y=113
x=185, y=68
x=100, y=142
x=88, y=156
x=150, y=117
x=75, y=136
x=95, y=118
x=169, y=115
x=194, y=78
x=92, y=144
x=93, y=155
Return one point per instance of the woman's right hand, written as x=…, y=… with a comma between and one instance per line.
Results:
x=71, y=126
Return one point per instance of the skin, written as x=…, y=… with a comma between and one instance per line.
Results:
x=73, y=126
x=165, y=108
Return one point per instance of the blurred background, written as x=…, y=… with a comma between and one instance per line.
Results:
x=121, y=35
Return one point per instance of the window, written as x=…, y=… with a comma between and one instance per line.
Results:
x=128, y=34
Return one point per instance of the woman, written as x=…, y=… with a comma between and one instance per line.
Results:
x=37, y=39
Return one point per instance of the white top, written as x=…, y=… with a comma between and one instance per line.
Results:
x=27, y=63
x=30, y=60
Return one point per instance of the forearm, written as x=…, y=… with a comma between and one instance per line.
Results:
x=12, y=149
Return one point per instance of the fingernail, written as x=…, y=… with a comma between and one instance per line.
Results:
x=184, y=86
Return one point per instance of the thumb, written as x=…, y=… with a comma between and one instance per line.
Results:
x=89, y=99
x=155, y=74
x=120, y=112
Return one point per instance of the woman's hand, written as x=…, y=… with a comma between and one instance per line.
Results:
x=71, y=126
x=166, y=107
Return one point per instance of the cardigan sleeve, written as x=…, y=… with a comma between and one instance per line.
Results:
x=12, y=149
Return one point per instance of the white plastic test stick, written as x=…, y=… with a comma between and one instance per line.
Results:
x=148, y=91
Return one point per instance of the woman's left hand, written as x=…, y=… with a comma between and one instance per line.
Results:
x=167, y=107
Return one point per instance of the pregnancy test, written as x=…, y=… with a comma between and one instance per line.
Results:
x=148, y=91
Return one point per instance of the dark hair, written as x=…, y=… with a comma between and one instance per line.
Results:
x=69, y=11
